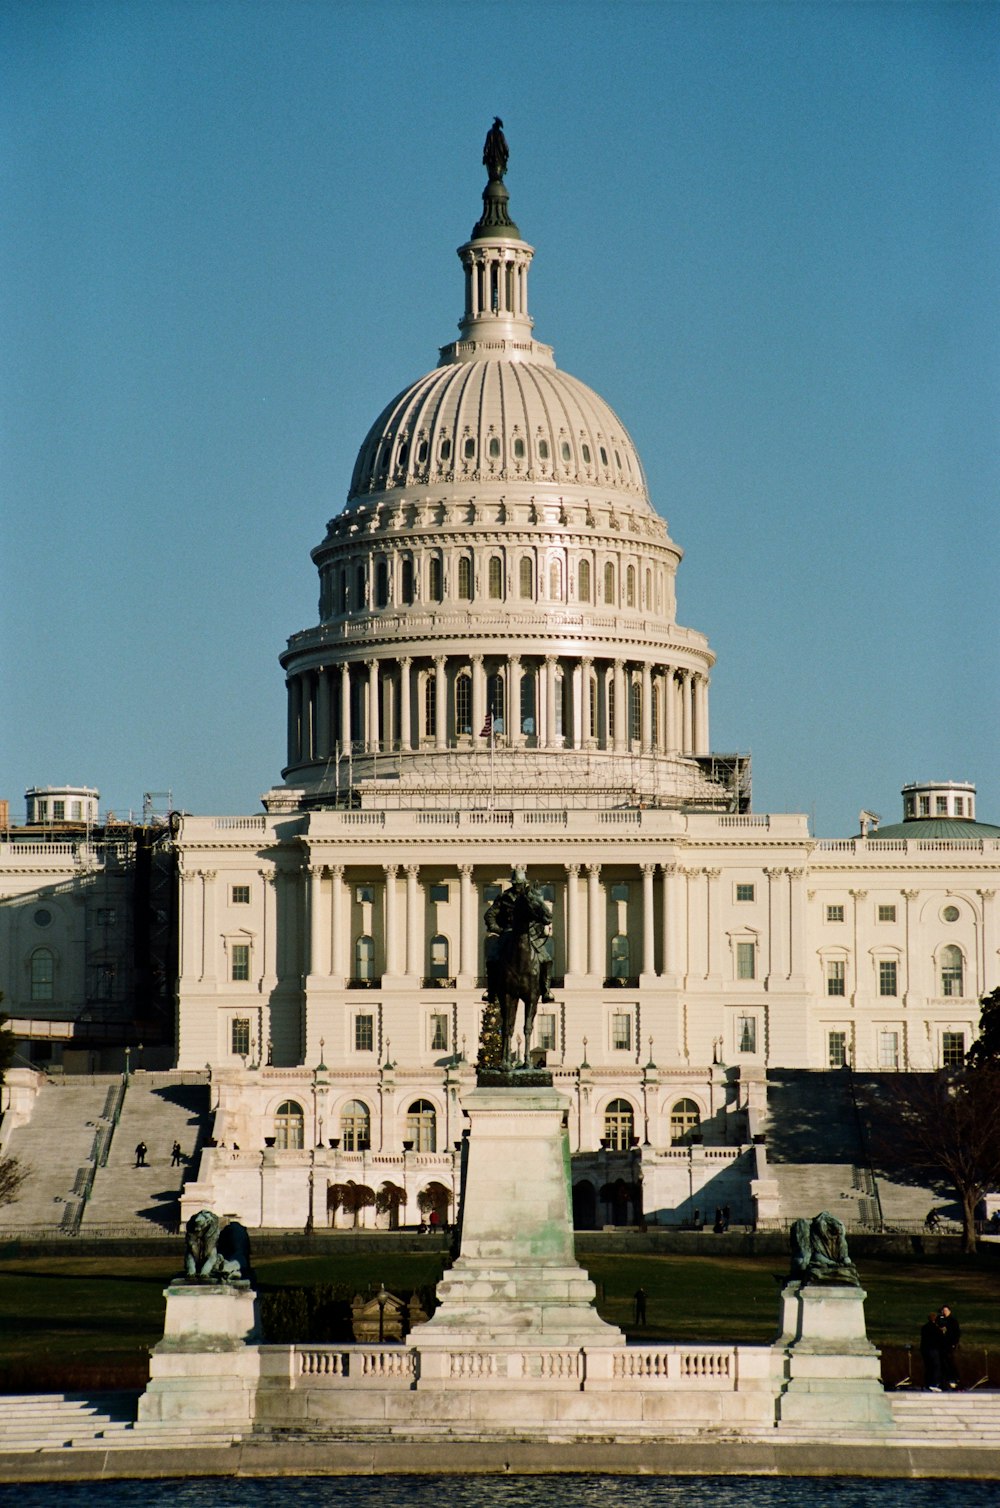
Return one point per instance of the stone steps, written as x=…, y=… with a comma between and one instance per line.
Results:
x=947, y=1418
x=58, y=1146
x=159, y=1109
x=33, y=1422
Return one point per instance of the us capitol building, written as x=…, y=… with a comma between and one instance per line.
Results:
x=497, y=676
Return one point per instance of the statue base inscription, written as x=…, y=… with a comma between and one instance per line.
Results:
x=516, y=1280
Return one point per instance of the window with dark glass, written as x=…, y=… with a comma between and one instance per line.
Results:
x=465, y=578
x=241, y=1036
x=364, y=1033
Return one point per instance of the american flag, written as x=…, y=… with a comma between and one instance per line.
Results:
x=488, y=724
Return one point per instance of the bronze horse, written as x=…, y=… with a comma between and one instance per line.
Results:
x=517, y=974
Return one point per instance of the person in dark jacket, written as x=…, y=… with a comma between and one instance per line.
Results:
x=930, y=1353
x=951, y=1334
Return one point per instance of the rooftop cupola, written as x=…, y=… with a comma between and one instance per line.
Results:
x=496, y=262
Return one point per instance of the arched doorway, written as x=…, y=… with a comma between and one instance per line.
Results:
x=584, y=1206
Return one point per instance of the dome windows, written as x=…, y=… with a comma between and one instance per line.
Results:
x=630, y=586
x=406, y=581
x=583, y=581
x=543, y=450
x=469, y=448
x=526, y=577
x=494, y=448
x=445, y=451
x=565, y=451
x=422, y=451
x=609, y=582
x=585, y=449
x=518, y=449
x=435, y=579
x=604, y=456
x=496, y=578
x=464, y=578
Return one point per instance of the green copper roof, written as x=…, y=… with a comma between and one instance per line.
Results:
x=938, y=827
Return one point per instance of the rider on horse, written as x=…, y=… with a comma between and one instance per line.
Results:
x=499, y=918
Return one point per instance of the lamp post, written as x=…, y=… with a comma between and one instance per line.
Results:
x=381, y=1298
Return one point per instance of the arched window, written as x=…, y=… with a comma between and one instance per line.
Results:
x=583, y=581
x=381, y=584
x=655, y=716
x=435, y=579
x=635, y=708
x=593, y=706
x=649, y=590
x=952, y=981
x=465, y=578
x=439, y=957
x=630, y=586
x=355, y=1127
x=609, y=582
x=528, y=721
x=495, y=701
x=496, y=578
x=527, y=577
x=555, y=581
x=343, y=591
x=619, y=1126
x=619, y=956
x=289, y=1127
x=518, y=450
x=364, y=957
x=543, y=450
x=360, y=586
x=445, y=452
x=42, y=975
x=685, y=1118
x=406, y=581
x=463, y=703
x=430, y=706
x=494, y=448
x=421, y=1126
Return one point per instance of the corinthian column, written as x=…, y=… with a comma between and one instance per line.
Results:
x=466, y=923
x=621, y=708
x=513, y=723
x=405, y=729
x=586, y=711
x=372, y=729
x=478, y=700
x=647, y=709
x=414, y=931
x=595, y=923
x=323, y=714
x=440, y=704
x=648, y=942
x=346, y=732
x=318, y=947
x=551, y=738
x=391, y=919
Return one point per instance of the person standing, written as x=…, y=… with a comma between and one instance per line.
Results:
x=175, y=1155
x=639, y=1299
x=930, y=1353
x=951, y=1334
x=140, y=1154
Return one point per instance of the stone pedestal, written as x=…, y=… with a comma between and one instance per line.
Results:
x=830, y=1368
x=516, y=1281
x=205, y=1368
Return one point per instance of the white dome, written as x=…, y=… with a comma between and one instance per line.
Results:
x=498, y=420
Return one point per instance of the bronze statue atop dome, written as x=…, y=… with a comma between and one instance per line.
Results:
x=495, y=151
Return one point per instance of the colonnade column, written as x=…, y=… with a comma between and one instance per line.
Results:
x=572, y=920
x=647, y=709
x=294, y=719
x=269, y=962
x=405, y=730
x=776, y=944
x=551, y=740
x=478, y=699
x=862, y=991
x=648, y=942
x=587, y=720
x=713, y=921
x=621, y=707
x=371, y=732
x=189, y=964
x=466, y=922
x=390, y=872
x=513, y=724
x=323, y=714
x=670, y=710
x=796, y=929
x=595, y=922
x=337, y=965
x=701, y=719
x=669, y=919
x=318, y=952
x=687, y=711
x=208, y=877
x=345, y=708
x=440, y=704
x=414, y=939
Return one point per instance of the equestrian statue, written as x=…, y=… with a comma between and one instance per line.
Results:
x=518, y=967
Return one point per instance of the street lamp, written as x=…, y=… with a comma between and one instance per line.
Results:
x=381, y=1299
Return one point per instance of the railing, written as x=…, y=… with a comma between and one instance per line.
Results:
x=675, y=1366
x=359, y=1364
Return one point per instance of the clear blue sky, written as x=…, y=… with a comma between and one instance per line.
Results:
x=767, y=234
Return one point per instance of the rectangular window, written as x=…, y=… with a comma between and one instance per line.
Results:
x=621, y=1031
x=835, y=913
x=952, y=1049
x=241, y=1036
x=619, y=892
x=887, y=976
x=836, y=976
x=746, y=960
x=941, y=806
x=76, y=809
x=836, y=1049
x=364, y=1033
x=58, y=811
x=746, y=1033
x=364, y=893
x=241, y=961
x=241, y=895
x=439, y=892
x=545, y=1031
x=439, y=1032
x=887, y=913
x=745, y=892
x=959, y=806
x=888, y=1050
x=925, y=806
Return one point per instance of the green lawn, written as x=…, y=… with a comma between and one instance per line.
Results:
x=86, y=1322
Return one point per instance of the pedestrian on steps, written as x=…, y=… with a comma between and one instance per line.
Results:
x=951, y=1334
x=140, y=1155
x=930, y=1353
x=175, y=1155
